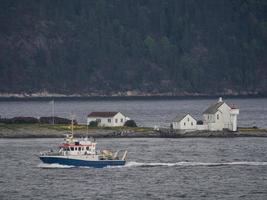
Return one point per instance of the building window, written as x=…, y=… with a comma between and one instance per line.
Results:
x=121, y=120
x=109, y=120
x=184, y=124
x=217, y=116
x=98, y=120
x=188, y=119
x=116, y=120
x=208, y=117
x=192, y=123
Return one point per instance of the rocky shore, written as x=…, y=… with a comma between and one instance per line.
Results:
x=47, y=132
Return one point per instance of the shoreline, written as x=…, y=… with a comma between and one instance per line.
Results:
x=58, y=131
x=125, y=97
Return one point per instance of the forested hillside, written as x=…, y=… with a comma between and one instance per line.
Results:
x=145, y=46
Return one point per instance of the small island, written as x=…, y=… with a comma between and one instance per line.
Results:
x=219, y=120
x=59, y=130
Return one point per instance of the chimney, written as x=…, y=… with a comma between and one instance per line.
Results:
x=220, y=99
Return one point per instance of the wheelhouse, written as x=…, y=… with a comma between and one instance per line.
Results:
x=78, y=148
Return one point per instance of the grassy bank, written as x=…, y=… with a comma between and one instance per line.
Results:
x=249, y=129
x=67, y=127
x=58, y=130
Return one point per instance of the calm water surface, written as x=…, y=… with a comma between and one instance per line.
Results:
x=253, y=112
x=193, y=168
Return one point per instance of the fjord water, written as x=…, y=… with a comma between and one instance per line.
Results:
x=188, y=168
x=151, y=112
x=185, y=168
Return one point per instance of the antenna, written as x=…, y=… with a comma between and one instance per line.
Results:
x=72, y=116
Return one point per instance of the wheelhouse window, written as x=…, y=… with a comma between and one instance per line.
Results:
x=79, y=148
x=72, y=148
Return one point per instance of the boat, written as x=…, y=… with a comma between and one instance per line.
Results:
x=83, y=153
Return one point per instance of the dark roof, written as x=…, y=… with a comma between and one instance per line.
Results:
x=102, y=114
x=213, y=108
x=181, y=116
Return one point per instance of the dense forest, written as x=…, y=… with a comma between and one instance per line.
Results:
x=96, y=47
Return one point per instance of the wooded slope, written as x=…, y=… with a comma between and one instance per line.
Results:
x=149, y=46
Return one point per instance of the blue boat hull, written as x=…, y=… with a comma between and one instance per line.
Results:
x=81, y=163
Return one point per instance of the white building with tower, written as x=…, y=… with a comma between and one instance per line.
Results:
x=217, y=117
x=220, y=116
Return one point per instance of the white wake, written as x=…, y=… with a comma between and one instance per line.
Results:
x=159, y=164
x=141, y=164
x=53, y=166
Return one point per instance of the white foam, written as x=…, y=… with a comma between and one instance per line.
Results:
x=158, y=164
x=141, y=164
x=53, y=166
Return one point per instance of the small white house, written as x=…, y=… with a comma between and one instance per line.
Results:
x=220, y=116
x=184, y=122
x=107, y=119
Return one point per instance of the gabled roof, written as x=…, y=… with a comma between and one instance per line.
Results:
x=181, y=116
x=213, y=108
x=102, y=114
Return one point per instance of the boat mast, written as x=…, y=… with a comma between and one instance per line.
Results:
x=72, y=124
x=72, y=127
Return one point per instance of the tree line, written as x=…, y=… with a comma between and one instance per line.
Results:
x=150, y=46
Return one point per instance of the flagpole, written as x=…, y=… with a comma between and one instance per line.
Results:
x=53, y=112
